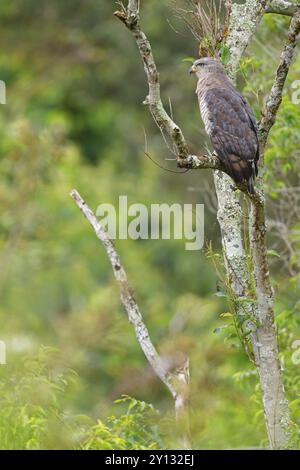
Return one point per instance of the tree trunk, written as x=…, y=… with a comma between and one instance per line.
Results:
x=243, y=23
x=258, y=313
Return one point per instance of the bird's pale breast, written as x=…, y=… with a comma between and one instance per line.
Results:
x=205, y=114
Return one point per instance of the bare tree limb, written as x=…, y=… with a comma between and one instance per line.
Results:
x=130, y=18
x=194, y=162
x=275, y=97
x=177, y=382
x=282, y=7
x=257, y=216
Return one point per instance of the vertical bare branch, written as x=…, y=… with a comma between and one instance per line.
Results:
x=176, y=382
x=275, y=97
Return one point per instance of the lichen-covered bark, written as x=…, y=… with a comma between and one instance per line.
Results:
x=275, y=404
x=244, y=20
x=259, y=314
x=282, y=7
x=231, y=219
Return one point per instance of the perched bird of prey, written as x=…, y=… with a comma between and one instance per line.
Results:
x=228, y=121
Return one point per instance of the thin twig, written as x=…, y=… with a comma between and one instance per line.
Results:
x=163, y=167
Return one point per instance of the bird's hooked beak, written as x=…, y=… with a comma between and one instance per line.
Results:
x=193, y=69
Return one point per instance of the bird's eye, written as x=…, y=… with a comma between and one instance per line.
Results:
x=201, y=64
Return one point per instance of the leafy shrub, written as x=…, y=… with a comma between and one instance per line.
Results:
x=136, y=429
x=33, y=414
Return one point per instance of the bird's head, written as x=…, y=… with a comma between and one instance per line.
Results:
x=205, y=66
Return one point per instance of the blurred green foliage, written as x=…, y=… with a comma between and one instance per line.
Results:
x=74, y=118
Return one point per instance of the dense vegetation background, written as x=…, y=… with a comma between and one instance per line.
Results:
x=74, y=118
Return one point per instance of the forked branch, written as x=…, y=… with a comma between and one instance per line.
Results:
x=130, y=18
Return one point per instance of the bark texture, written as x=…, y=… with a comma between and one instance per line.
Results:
x=244, y=21
x=258, y=313
x=282, y=7
x=275, y=405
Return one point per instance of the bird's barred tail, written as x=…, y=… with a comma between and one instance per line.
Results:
x=242, y=171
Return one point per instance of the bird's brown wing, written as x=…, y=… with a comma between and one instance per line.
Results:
x=253, y=124
x=232, y=129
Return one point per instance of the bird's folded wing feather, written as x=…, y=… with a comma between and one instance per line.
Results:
x=231, y=126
